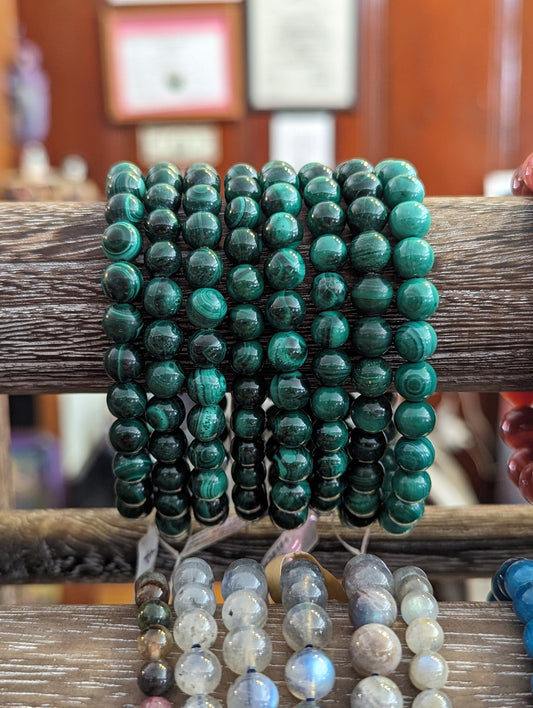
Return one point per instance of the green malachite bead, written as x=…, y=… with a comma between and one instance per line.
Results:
x=417, y=299
x=367, y=447
x=249, y=393
x=163, y=339
x=371, y=336
x=281, y=197
x=371, y=414
x=128, y=436
x=370, y=252
x=409, y=219
x=287, y=351
x=124, y=207
x=330, y=403
x=324, y=489
x=203, y=268
x=206, y=308
x=282, y=230
x=121, y=241
x=206, y=422
x=331, y=366
x=245, y=283
x=125, y=179
x=242, y=212
x=312, y=170
x=413, y=419
x=207, y=348
x=162, y=225
x=122, y=323
x=131, y=468
x=170, y=478
x=201, y=173
x=326, y=218
x=292, y=464
x=413, y=257
x=363, y=504
x=246, y=321
x=390, y=526
x=211, y=512
x=277, y=171
x=126, y=400
x=248, y=477
x=164, y=172
x=284, y=269
x=168, y=447
x=123, y=165
x=331, y=464
x=162, y=297
x=206, y=386
x=131, y=492
x=372, y=377
x=291, y=496
x=414, y=455
x=324, y=505
x=366, y=214
x=243, y=246
x=122, y=281
x=201, y=197
x=372, y=294
x=330, y=436
x=250, y=504
x=361, y=184
x=241, y=168
x=403, y=188
x=415, y=341
x=154, y=612
x=248, y=424
x=202, y=229
x=403, y=512
x=173, y=529
x=390, y=168
x=208, y=455
x=162, y=196
x=163, y=258
x=165, y=414
x=246, y=358
x=123, y=362
x=416, y=381
x=133, y=511
x=247, y=452
x=172, y=506
x=242, y=186
x=289, y=390
x=364, y=476
x=288, y=520
x=285, y=310
x=411, y=487
x=328, y=253
x=291, y=428
x=208, y=484
x=165, y=379
x=330, y=329
x=321, y=189
x=349, y=167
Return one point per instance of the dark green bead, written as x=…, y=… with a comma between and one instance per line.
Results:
x=170, y=478
x=413, y=257
x=242, y=186
x=389, y=168
x=413, y=419
x=168, y=447
x=247, y=452
x=162, y=196
x=282, y=230
x=173, y=528
x=330, y=329
x=285, y=269
x=245, y=283
x=206, y=422
x=364, y=476
x=324, y=505
x=409, y=219
x=281, y=197
x=248, y=392
x=211, y=512
x=414, y=455
x=206, y=454
x=128, y=436
x=123, y=362
x=246, y=321
x=131, y=468
x=288, y=520
x=248, y=477
x=361, y=184
x=370, y=252
x=131, y=492
x=206, y=386
x=330, y=464
x=330, y=435
x=291, y=428
x=121, y=241
x=203, y=268
x=162, y=225
x=321, y=189
x=292, y=464
x=202, y=229
x=285, y=310
x=162, y=297
x=242, y=212
x=163, y=258
x=133, y=511
x=349, y=167
x=248, y=424
x=153, y=613
x=417, y=299
x=371, y=336
x=122, y=281
x=287, y=351
x=207, y=348
x=165, y=414
x=326, y=218
x=330, y=403
x=403, y=512
x=371, y=414
x=328, y=291
x=331, y=366
x=403, y=188
x=163, y=339
x=277, y=171
x=372, y=377
x=416, y=381
x=165, y=379
x=241, y=168
x=125, y=179
x=122, y=322
x=411, y=487
x=243, y=246
x=246, y=358
x=122, y=166
x=201, y=197
x=208, y=484
x=361, y=504
x=415, y=341
x=291, y=496
x=206, y=308
x=372, y=294
x=324, y=489
x=201, y=173
x=367, y=447
x=124, y=207
x=390, y=526
x=366, y=214
x=289, y=391
x=328, y=253
x=250, y=504
x=126, y=400
x=172, y=506
x=313, y=169
x=164, y=172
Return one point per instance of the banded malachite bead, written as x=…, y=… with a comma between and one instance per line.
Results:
x=372, y=377
x=124, y=207
x=330, y=435
x=163, y=258
x=414, y=419
x=162, y=225
x=414, y=455
x=207, y=348
x=206, y=454
x=201, y=197
x=121, y=241
x=287, y=351
x=409, y=219
x=241, y=168
x=370, y=252
x=416, y=340
x=163, y=339
x=248, y=477
x=371, y=414
x=411, y=487
x=361, y=184
x=202, y=229
x=206, y=422
x=284, y=269
x=208, y=484
x=170, y=505
x=162, y=297
x=126, y=400
x=313, y=169
x=247, y=452
x=164, y=172
x=162, y=195
x=168, y=447
x=165, y=379
x=330, y=329
x=128, y=436
x=173, y=527
x=127, y=178
x=291, y=428
x=201, y=173
x=292, y=464
x=170, y=478
x=291, y=496
x=122, y=322
x=246, y=357
x=282, y=230
x=403, y=188
x=243, y=246
x=372, y=336
x=364, y=476
x=242, y=212
x=131, y=468
x=122, y=281
x=248, y=424
x=328, y=253
x=288, y=520
x=417, y=299
x=245, y=283
x=206, y=308
x=330, y=403
x=391, y=167
x=165, y=414
x=326, y=218
x=372, y=294
x=331, y=464
x=123, y=362
x=366, y=214
x=242, y=186
x=285, y=310
x=246, y=321
x=331, y=366
x=367, y=447
x=281, y=197
x=321, y=189
x=289, y=390
x=402, y=512
x=413, y=257
x=203, y=267
x=277, y=171
x=206, y=386
x=415, y=381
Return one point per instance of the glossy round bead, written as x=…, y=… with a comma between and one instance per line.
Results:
x=206, y=455
x=371, y=414
x=369, y=252
x=246, y=321
x=277, y=171
x=248, y=477
x=122, y=281
x=424, y=634
x=243, y=245
x=415, y=381
x=196, y=627
x=404, y=513
x=330, y=435
x=282, y=230
x=244, y=608
x=244, y=574
x=249, y=393
x=367, y=447
x=419, y=604
x=292, y=464
x=415, y=341
x=162, y=298
x=413, y=258
x=162, y=225
x=285, y=310
x=201, y=197
x=168, y=447
x=202, y=229
x=165, y=379
x=173, y=505
x=311, y=170
x=366, y=214
x=287, y=351
x=164, y=172
x=372, y=294
x=123, y=362
x=291, y=428
x=413, y=419
x=330, y=403
x=244, y=283
x=371, y=336
x=246, y=358
x=123, y=166
x=330, y=329
x=155, y=678
x=163, y=339
x=309, y=673
x=190, y=596
x=331, y=366
x=124, y=207
x=122, y=322
x=253, y=689
x=242, y=212
x=126, y=400
x=523, y=602
x=203, y=268
x=307, y=624
x=291, y=496
x=208, y=484
x=288, y=520
x=517, y=574
x=417, y=299
x=376, y=692
x=133, y=511
x=162, y=195
x=516, y=427
x=131, y=468
x=250, y=504
x=201, y=173
x=391, y=167
x=154, y=643
x=409, y=219
x=414, y=455
x=348, y=167
x=197, y=671
x=125, y=179
x=372, y=604
x=247, y=452
x=375, y=649
x=121, y=241
x=128, y=436
x=248, y=424
x=405, y=572
x=206, y=308
x=361, y=184
x=281, y=197
x=403, y=188
x=193, y=570
x=326, y=218
x=289, y=390
x=432, y=698
x=409, y=487
x=154, y=580
x=328, y=291
x=372, y=377
x=153, y=612
x=247, y=648
x=173, y=529
x=206, y=348
x=243, y=185
x=321, y=188
x=428, y=670
x=331, y=464
x=366, y=569
x=163, y=258
x=362, y=505
x=284, y=269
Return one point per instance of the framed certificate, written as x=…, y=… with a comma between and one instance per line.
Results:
x=163, y=63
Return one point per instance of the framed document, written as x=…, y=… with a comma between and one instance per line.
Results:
x=302, y=54
x=164, y=63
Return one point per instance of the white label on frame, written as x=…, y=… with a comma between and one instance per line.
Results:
x=302, y=137
x=182, y=144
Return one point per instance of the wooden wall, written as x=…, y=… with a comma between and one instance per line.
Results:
x=442, y=84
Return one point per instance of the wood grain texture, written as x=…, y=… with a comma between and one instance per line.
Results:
x=78, y=655
x=52, y=304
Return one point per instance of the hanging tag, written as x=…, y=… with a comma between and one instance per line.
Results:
x=147, y=548
x=206, y=537
x=303, y=539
